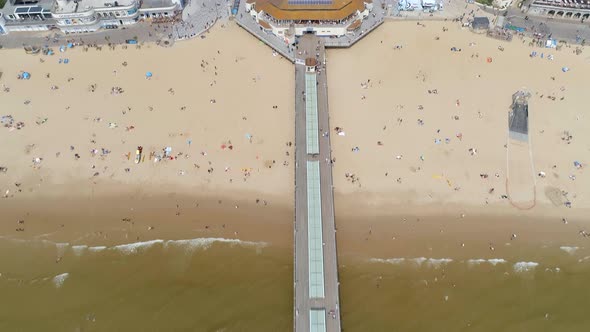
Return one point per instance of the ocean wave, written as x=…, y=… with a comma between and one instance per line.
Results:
x=389, y=260
x=431, y=262
x=188, y=244
x=525, y=266
x=79, y=250
x=132, y=248
x=96, y=248
x=205, y=243
x=569, y=250
x=135, y=247
x=59, y=279
x=420, y=261
x=493, y=261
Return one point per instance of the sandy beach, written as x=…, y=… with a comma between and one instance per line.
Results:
x=411, y=111
x=216, y=105
x=423, y=133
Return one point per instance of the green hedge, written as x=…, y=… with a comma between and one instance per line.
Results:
x=484, y=2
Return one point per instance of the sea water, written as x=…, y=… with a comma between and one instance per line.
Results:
x=214, y=284
x=547, y=291
x=207, y=284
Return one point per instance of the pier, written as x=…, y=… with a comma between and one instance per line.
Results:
x=316, y=283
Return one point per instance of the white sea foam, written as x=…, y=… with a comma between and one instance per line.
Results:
x=431, y=262
x=584, y=259
x=525, y=266
x=132, y=248
x=569, y=250
x=420, y=261
x=59, y=279
x=389, y=260
x=79, y=250
x=61, y=248
x=188, y=244
x=205, y=243
x=493, y=261
x=97, y=248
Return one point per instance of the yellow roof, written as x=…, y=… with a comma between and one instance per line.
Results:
x=282, y=10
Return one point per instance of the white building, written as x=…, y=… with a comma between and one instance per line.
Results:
x=290, y=18
x=568, y=9
x=91, y=15
x=74, y=16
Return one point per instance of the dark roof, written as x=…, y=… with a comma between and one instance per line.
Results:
x=480, y=22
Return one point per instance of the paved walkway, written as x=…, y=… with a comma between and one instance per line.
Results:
x=246, y=21
x=307, y=308
x=198, y=16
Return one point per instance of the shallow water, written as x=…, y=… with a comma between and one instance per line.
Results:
x=220, y=285
x=548, y=293
x=149, y=287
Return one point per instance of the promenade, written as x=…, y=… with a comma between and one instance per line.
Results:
x=316, y=267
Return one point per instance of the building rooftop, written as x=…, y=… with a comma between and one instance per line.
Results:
x=158, y=3
x=310, y=10
x=69, y=6
x=11, y=6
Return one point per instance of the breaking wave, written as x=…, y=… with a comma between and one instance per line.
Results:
x=59, y=279
x=569, y=250
x=493, y=261
x=79, y=250
x=420, y=261
x=525, y=266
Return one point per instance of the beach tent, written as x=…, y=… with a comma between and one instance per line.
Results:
x=70, y=45
x=565, y=69
x=26, y=75
x=148, y=74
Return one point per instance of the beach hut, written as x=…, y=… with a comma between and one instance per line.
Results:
x=480, y=23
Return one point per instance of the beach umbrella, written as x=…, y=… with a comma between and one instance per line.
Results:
x=148, y=74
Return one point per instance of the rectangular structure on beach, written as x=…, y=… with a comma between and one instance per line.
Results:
x=311, y=114
x=314, y=231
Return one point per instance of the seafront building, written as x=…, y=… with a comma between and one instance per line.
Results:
x=567, y=9
x=74, y=16
x=288, y=19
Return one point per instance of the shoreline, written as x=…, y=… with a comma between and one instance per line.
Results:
x=363, y=230
x=112, y=219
